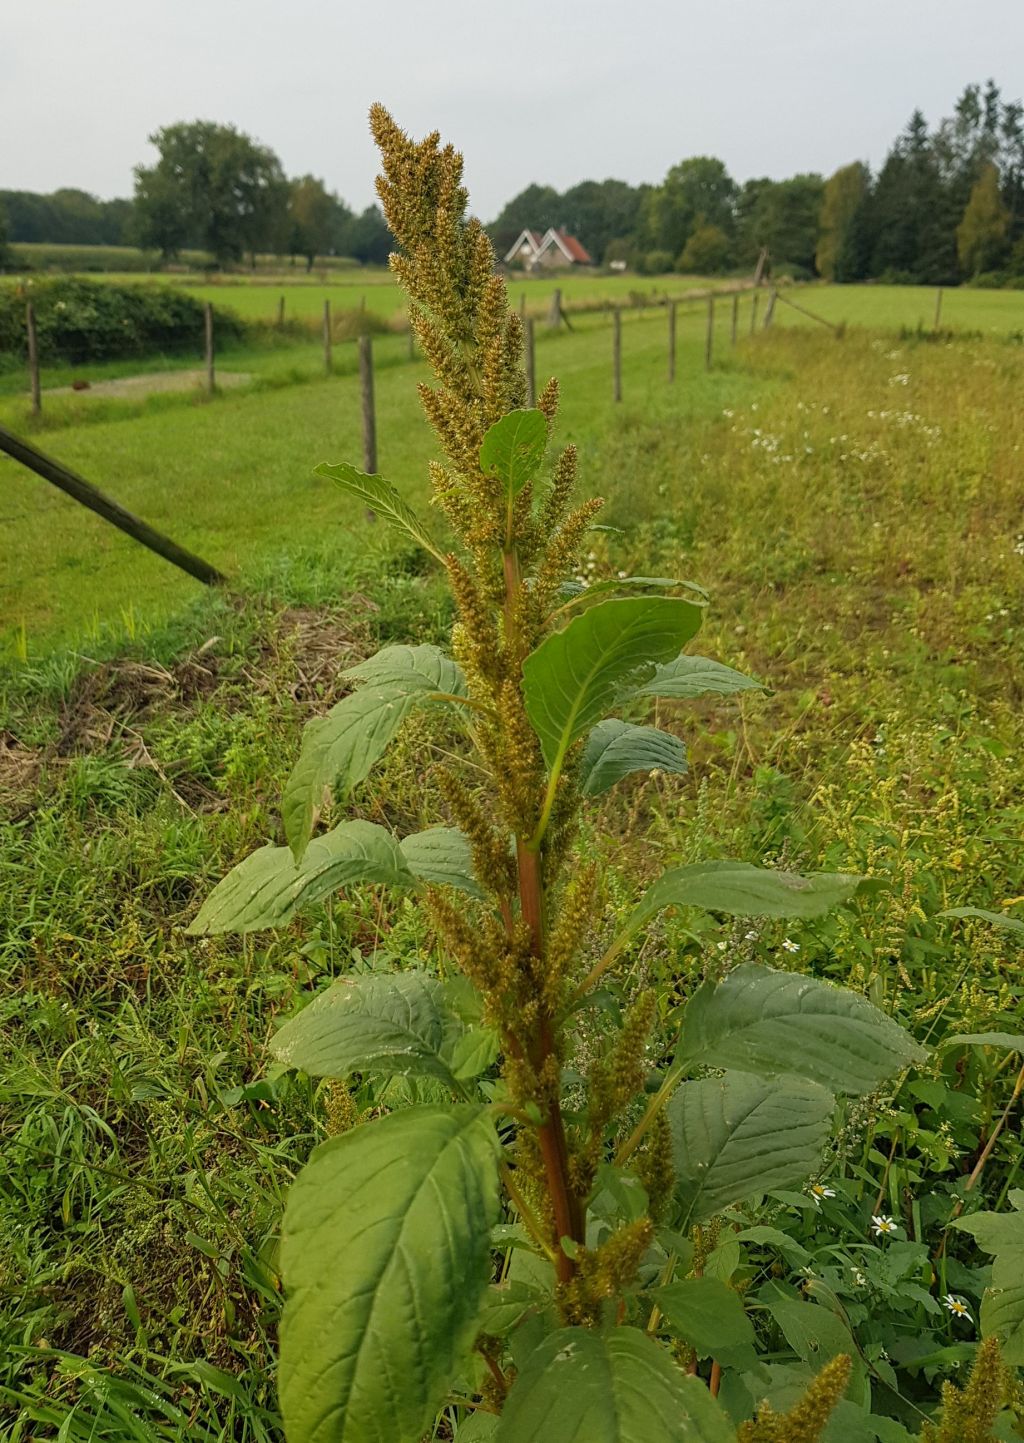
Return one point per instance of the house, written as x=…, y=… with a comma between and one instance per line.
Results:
x=553, y=250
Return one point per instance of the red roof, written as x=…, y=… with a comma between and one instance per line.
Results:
x=578, y=252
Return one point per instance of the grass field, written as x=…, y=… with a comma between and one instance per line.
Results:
x=854, y=507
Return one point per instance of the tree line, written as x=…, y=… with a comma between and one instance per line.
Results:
x=946, y=204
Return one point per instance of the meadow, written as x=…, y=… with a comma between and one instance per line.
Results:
x=853, y=505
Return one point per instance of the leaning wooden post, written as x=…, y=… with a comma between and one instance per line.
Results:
x=555, y=314
x=753, y=311
x=280, y=313
x=769, y=310
x=671, y=340
x=709, y=338
x=735, y=315
x=88, y=495
x=369, y=414
x=208, y=326
x=33, y=359
x=328, y=364
x=531, y=365
x=938, y=308
x=617, y=354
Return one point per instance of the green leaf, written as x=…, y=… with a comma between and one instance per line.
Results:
x=994, y=1232
x=690, y=676
x=815, y=1334
x=506, y=1305
x=385, y=1256
x=572, y=591
x=384, y=1024
x=338, y=750
x=513, y=449
x=443, y=857
x=411, y=668
x=584, y=1386
x=768, y=1022
x=1002, y=1313
x=742, y=890
x=269, y=887
x=1010, y=1041
x=380, y=496
x=997, y=919
x=616, y=748
x=737, y=1136
x=577, y=674
x=710, y=1317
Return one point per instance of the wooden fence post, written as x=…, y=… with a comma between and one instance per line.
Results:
x=709, y=338
x=555, y=314
x=769, y=310
x=369, y=413
x=735, y=315
x=328, y=363
x=83, y=491
x=617, y=353
x=671, y=340
x=938, y=308
x=280, y=313
x=208, y=326
x=33, y=359
x=531, y=365
x=753, y=312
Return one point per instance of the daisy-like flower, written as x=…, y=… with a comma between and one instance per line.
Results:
x=883, y=1227
x=818, y=1191
x=788, y=945
x=859, y=1280
x=956, y=1306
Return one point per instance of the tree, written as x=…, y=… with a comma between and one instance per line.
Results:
x=535, y=208
x=782, y=215
x=212, y=186
x=5, y=253
x=312, y=212
x=706, y=251
x=981, y=235
x=368, y=238
x=697, y=188
x=843, y=195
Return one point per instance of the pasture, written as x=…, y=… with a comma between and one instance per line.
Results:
x=853, y=506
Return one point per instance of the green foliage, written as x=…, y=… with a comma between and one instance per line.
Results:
x=214, y=186
x=385, y=1249
x=1002, y=1307
x=706, y=252
x=79, y=320
x=843, y=194
x=615, y=748
x=981, y=235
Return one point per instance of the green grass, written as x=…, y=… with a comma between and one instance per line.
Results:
x=861, y=536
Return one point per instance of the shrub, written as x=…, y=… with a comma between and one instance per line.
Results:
x=654, y=263
x=79, y=320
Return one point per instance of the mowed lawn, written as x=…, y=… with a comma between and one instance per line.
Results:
x=232, y=478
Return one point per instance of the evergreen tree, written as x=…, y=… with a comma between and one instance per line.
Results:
x=981, y=237
x=843, y=197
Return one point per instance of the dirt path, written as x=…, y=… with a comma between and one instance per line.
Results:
x=153, y=382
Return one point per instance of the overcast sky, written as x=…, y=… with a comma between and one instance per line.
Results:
x=531, y=90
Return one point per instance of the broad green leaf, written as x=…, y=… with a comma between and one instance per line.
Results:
x=1009, y=1041
x=737, y=1136
x=411, y=668
x=768, y=1022
x=385, y=1256
x=442, y=856
x=577, y=674
x=742, y=890
x=384, y=1024
x=994, y=1232
x=506, y=1305
x=380, y=496
x=616, y=748
x=584, y=1386
x=1002, y=1311
x=513, y=449
x=690, y=676
x=815, y=1334
x=339, y=749
x=572, y=591
x=269, y=887
x=710, y=1317
x=997, y=919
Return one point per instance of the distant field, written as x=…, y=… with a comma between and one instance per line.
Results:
x=45, y=255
